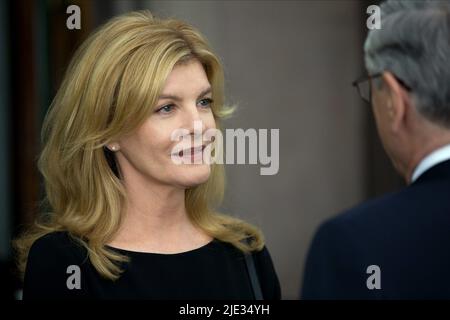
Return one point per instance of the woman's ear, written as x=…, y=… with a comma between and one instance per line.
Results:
x=113, y=147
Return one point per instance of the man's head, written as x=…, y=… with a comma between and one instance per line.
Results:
x=408, y=60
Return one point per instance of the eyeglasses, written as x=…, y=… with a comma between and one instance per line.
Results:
x=363, y=84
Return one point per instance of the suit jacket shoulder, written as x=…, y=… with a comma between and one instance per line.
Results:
x=405, y=234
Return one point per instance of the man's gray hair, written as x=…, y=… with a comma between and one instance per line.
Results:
x=414, y=44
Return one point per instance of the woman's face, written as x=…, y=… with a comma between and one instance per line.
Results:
x=148, y=153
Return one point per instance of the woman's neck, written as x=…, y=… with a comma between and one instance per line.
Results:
x=155, y=220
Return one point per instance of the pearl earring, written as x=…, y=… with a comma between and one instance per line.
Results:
x=113, y=148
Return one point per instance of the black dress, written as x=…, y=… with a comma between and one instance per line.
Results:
x=58, y=267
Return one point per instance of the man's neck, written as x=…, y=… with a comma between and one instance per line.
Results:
x=422, y=152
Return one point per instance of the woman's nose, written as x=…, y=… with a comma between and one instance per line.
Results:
x=192, y=119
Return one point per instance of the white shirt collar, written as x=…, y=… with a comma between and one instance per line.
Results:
x=437, y=156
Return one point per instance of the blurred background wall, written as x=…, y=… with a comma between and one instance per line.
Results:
x=288, y=66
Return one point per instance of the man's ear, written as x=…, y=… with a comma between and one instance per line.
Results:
x=398, y=102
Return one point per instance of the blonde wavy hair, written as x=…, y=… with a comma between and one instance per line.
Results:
x=110, y=87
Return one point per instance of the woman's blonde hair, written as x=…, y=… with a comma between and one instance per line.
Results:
x=110, y=87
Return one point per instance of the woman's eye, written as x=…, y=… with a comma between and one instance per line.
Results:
x=165, y=109
x=205, y=103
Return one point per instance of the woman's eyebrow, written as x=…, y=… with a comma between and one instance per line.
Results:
x=176, y=98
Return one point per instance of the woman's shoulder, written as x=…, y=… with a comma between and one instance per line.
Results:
x=267, y=274
x=57, y=244
x=265, y=270
x=54, y=259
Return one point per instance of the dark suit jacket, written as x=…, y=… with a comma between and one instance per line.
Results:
x=406, y=234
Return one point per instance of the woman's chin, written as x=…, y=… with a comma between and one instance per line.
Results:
x=193, y=176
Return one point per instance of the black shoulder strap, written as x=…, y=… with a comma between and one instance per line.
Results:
x=253, y=276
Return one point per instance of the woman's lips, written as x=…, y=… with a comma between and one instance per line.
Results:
x=191, y=151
